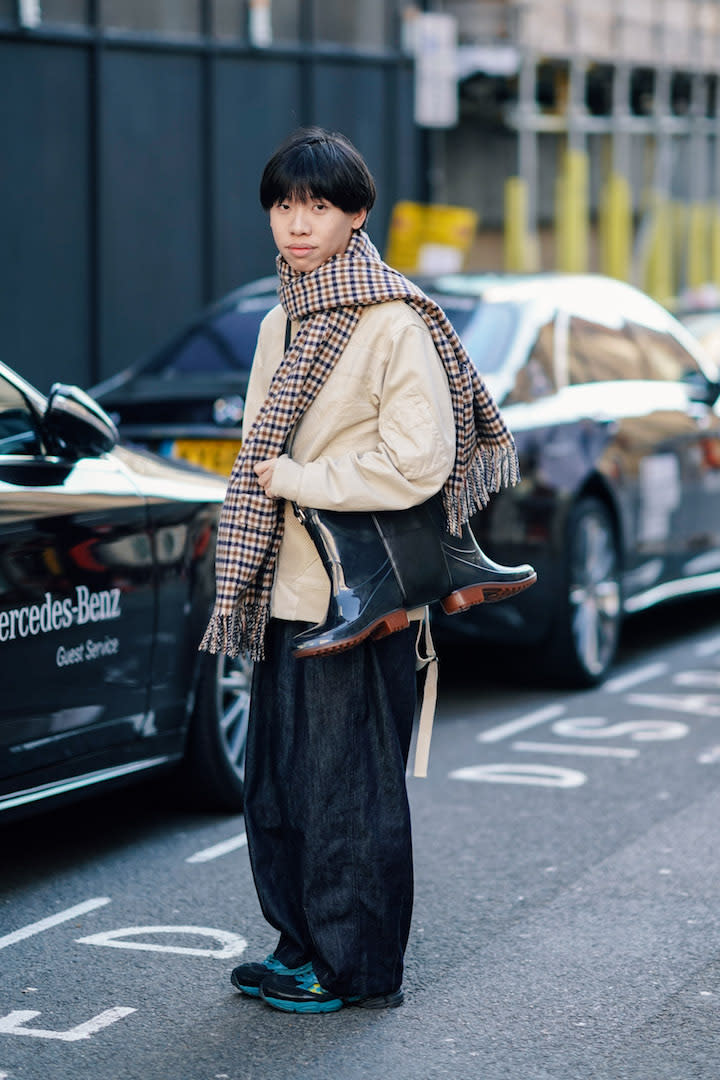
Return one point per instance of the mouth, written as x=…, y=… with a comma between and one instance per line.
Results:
x=299, y=249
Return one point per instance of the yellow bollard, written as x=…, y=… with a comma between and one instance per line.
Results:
x=659, y=277
x=714, y=216
x=571, y=213
x=616, y=228
x=561, y=224
x=698, y=248
x=515, y=223
x=520, y=244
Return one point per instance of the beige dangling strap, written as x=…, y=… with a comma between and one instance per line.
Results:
x=429, y=695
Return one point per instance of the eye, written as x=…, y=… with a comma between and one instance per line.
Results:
x=320, y=206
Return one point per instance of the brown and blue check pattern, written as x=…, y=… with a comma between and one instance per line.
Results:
x=327, y=304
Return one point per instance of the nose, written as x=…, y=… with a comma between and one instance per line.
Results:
x=300, y=221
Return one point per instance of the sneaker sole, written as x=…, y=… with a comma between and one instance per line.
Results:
x=378, y=1001
x=303, y=1006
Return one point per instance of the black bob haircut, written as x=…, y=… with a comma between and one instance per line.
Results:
x=317, y=164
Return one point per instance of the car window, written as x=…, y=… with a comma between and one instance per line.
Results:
x=602, y=353
x=17, y=426
x=701, y=323
x=665, y=358
x=536, y=378
x=225, y=344
x=486, y=328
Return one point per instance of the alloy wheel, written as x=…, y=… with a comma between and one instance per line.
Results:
x=234, y=677
x=594, y=588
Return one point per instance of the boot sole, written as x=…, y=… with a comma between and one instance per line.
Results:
x=484, y=594
x=383, y=627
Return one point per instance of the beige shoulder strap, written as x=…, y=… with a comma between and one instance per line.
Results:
x=429, y=694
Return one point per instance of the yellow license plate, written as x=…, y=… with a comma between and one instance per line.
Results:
x=217, y=455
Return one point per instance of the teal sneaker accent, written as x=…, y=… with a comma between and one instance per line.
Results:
x=299, y=992
x=247, y=977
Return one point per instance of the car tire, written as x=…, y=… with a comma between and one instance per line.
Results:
x=586, y=623
x=215, y=753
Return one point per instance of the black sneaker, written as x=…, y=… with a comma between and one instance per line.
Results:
x=247, y=977
x=301, y=992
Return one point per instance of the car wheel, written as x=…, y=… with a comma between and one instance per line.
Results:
x=586, y=627
x=215, y=757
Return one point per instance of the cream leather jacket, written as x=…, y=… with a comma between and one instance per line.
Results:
x=380, y=435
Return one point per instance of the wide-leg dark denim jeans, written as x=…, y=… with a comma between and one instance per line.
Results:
x=326, y=809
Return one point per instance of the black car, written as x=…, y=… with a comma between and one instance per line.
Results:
x=186, y=401
x=613, y=405
x=106, y=583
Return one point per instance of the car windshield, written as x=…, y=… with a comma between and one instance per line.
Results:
x=224, y=344
x=486, y=328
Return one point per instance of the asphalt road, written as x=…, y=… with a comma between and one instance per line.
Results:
x=567, y=917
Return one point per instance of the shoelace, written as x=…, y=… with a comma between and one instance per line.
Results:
x=307, y=979
x=273, y=964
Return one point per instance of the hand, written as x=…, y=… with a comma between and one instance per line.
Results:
x=264, y=470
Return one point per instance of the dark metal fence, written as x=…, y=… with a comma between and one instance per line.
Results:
x=129, y=170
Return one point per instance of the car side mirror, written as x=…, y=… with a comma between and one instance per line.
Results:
x=701, y=388
x=73, y=424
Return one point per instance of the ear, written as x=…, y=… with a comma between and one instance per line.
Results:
x=359, y=219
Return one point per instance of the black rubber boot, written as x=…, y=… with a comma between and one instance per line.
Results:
x=417, y=541
x=365, y=599
x=381, y=564
x=476, y=579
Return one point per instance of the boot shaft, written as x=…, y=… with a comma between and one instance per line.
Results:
x=412, y=539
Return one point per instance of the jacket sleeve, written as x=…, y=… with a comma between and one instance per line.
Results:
x=416, y=441
x=258, y=386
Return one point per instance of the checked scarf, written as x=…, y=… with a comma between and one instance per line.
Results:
x=327, y=303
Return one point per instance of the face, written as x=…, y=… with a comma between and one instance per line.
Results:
x=308, y=232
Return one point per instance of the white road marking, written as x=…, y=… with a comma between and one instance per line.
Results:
x=230, y=944
x=217, y=850
x=540, y=716
x=708, y=679
x=698, y=704
x=53, y=920
x=709, y=648
x=572, y=748
x=633, y=678
x=596, y=727
x=709, y=757
x=14, y=1024
x=539, y=775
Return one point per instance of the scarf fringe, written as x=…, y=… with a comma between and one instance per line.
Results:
x=491, y=469
x=243, y=631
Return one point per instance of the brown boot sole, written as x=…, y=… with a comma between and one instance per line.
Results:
x=484, y=594
x=383, y=627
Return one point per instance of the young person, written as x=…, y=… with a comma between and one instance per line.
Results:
x=374, y=405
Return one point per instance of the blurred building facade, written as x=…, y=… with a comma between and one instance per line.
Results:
x=133, y=136
x=134, y=132
x=590, y=131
